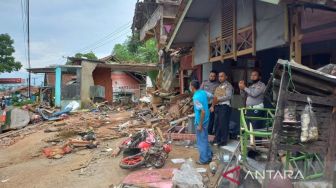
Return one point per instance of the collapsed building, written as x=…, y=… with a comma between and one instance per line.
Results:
x=238, y=36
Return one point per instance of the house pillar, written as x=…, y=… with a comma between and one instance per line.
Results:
x=295, y=34
x=58, y=86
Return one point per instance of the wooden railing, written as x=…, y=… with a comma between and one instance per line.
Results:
x=223, y=48
x=244, y=41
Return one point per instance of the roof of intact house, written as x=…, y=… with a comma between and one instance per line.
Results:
x=117, y=65
x=136, y=67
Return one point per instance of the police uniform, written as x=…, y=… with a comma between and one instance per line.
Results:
x=223, y=94
x=210, y=88
x=255, y=99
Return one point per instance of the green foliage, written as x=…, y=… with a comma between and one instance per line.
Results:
x=7, y=61
x=133, y=43
x=122, y=53
x=133, y=50
x=89, y=55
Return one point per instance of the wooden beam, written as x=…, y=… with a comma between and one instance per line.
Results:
x=331, y=150
x=214, y=59
x=272, y=163
x=179, y=23
x=254, y=29
x=296, y=34
x=320, y=27
x=181, y=82
x=234, y=30
x=209, y=41
x=327, y=101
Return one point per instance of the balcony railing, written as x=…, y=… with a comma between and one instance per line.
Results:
x=224, y=48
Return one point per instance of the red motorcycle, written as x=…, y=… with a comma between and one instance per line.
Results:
x=149, y=151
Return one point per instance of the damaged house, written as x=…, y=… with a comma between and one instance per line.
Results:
x=86, y=80
x=237, y=36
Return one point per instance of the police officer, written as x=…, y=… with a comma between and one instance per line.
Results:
x=210, y=86
x=222, y=106
x=255, y=96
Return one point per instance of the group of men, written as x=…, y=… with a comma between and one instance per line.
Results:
x=212, y=107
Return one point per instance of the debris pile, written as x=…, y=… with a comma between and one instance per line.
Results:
x=81, y=140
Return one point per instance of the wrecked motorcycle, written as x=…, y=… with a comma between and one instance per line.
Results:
x=155, y=155
x=144, y=148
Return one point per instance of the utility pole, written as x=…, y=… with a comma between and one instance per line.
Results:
x=28, y=40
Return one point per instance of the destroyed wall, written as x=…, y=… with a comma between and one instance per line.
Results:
x=102, y=77
x=86, y=82
x=51, y=78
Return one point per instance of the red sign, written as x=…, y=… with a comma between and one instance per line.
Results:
x=11, y=80
x=232, y=171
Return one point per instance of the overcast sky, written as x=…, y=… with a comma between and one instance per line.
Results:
x=61, y=28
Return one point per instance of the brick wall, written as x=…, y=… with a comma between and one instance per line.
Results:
x=65, y=78
x=102, y=77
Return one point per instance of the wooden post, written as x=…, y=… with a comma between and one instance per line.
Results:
x=254, y=29
x=272, y=163
x=330, y=157
x=234, y=39
x=209, y=41
x=296, y=34
x=181, y=82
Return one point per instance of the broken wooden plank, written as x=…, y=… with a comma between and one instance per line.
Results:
x=175, y=122
x=327, y=101
x=191, y=137
x=116, y=152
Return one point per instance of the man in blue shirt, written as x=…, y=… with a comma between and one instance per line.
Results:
x=202, y=113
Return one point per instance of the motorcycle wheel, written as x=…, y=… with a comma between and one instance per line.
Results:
x=132, y=162
x=158, y=161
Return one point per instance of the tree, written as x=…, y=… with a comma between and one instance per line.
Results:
x=7, y=61
x=136, y=51
x=89, y=55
